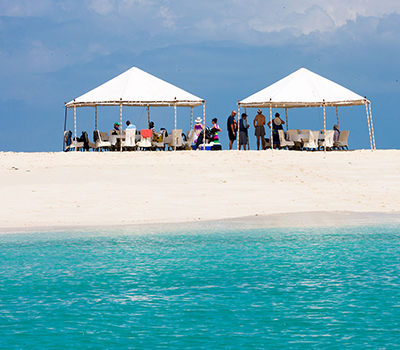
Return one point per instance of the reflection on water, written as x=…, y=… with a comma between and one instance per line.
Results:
x=214, y=287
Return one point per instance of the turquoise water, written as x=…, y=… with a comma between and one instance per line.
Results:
x=212, y=287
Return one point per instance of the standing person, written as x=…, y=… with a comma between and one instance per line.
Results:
x=197, y=129
x=243, y=131
x=215, y=129
x=277, y=123
x=259, y=122
x=232, y=128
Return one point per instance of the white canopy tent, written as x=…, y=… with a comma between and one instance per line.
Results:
x=304, y=88
x=136, y=88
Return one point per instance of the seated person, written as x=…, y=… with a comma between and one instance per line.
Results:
x=157, y=136
x=210, y=136
x=116, y=128
x=129, y=125
x=336, y=133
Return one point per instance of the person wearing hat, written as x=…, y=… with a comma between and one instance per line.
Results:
x=259, y=122
x=116, y=126
x=243, y=131
x=197, y=129
x=336, y=133
x=277, y=123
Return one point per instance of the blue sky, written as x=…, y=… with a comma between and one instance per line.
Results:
x=222, y=51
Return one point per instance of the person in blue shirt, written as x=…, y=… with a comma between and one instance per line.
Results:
x=232, y=128
x=243, y=131
x=129, y=125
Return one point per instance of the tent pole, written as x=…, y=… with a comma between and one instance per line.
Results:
x=120, y=121
x=191, y=118
x=65, y=126
x=372, y=125
x=287, y=123
x=204, y=116
x=204, y=119
x=175, y=128
x=337, y=117
x=148, y=116
x=325, y=130
x=238, y=130
x=95, y=117
x=76, y=148
x=270, y=119
x=369, y=126
x=248, y=140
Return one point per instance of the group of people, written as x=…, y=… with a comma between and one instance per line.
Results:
x=199, y=132
x=259, y=123
x=259, y=126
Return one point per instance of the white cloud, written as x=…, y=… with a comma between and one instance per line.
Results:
x=102, y=7
x=24, y=8
x=168, y=18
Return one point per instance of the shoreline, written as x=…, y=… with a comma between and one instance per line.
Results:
x=277, y=220
x=110, y=189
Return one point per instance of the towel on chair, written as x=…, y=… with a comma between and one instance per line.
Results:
x=146, y=133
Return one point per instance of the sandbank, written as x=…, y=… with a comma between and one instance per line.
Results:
x=103, y=189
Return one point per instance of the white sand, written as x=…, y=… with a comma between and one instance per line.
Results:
x=79, y=189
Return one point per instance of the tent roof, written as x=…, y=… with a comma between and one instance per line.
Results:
x=136, y=88
x=303, y=88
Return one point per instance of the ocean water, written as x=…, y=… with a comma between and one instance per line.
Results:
x=201, y=287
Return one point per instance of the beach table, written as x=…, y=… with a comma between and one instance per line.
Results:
x=113, y=138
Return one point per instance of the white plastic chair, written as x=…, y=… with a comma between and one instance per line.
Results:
x=282, y=142
x=99, y=142
x=177, y=140
x=291, y=132
x=75, y=145
x=159, y=144
x=312, y=142
x=328, y=141
x=342, y=142
x=130, y=135
x=190, y=137
x=145, y=142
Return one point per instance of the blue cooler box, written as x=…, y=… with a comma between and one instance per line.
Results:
x=207, y=147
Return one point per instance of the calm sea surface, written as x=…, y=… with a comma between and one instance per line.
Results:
x=201, y=287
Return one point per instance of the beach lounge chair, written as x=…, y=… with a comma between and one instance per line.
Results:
x=146, y=136
x=74, y=145
x=87, y=145
x=190, y=137
x=312, y=142
x=341, y=143
x=158, y=141
x=101, y=140
x=282, y=142
x=328, y=141
x=176, y=140
x=70, y=143
x=291, y=132
x=130, y=139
